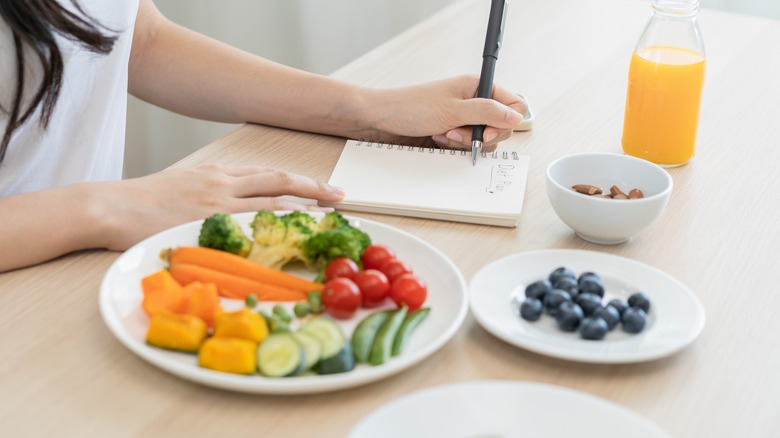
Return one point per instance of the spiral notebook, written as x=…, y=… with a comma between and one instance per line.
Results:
x=431, y=183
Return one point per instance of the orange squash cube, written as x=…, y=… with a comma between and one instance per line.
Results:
x=176, y=332
x=161, y=292
x=202, y=300
x=244, y=324
x=229, y=355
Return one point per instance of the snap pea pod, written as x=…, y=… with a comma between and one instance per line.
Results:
x=411, y=321
x=366, y=332
x=383, y=344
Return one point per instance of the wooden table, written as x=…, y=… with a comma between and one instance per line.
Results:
x=63, y=374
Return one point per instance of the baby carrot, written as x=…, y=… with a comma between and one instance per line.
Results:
x=237, y=265
x=232, y=286
x=228, y=294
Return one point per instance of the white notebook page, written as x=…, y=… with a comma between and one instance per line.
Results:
x=432, y=183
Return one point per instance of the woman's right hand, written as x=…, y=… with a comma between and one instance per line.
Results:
x=441, y=112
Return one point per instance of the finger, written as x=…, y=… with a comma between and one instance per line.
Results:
x=459, y=138
x=277, y=182
x=490, y=112
x=276, y=204
x=462, y=137
x=245, y=170
x=454, y=139
x=493, y=136
x=510, y=99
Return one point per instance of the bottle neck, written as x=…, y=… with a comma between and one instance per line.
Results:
x=674, y=24
x=676, y=8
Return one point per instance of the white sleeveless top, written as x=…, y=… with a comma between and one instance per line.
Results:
x=85, y=137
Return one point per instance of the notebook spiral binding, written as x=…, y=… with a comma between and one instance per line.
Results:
x=399, y=147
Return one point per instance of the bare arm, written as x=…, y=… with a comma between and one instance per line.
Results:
x=43, y=225
x=192, y=74
x=195, y=75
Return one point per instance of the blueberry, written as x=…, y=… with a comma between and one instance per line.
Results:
x=640, y=300
x=593, y=328
x=589, y=302
x=560, y=272
x=569, y=316
x=634, y=319
x=591, y=285
x=531, y=309
x=537, y=289
x=568, y=284
x=609, y=314
x=553, y=299
x=619, y=305
x=588, y=274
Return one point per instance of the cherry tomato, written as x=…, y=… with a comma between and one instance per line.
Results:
x=341, y=267
x=409, y=289
x=375, y=255
x=341, y=297
x=374, y=287
x=394, y=268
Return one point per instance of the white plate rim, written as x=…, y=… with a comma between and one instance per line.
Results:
x=585, y=351
x=280, y=386
x=500, y=390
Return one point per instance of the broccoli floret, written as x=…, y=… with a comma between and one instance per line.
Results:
x=330, y=221
x=221, y=231
x=297, y=236
x=277, y=240
x=343, y=241
x=301, y=218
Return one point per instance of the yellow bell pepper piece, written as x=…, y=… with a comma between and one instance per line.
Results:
x=176, y=332
x=243, y=324
x=230, y=355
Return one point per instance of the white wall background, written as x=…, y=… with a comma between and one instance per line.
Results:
x=765, y=8
x=314, y=35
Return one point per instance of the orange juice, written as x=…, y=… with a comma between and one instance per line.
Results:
x=662, y=105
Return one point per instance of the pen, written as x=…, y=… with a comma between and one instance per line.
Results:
x=495, y=30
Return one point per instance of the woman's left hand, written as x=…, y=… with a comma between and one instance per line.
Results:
x=133, y=209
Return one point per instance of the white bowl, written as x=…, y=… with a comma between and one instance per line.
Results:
x=603, y=220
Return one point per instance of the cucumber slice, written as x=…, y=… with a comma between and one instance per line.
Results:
x=411, y=322
x=365, y=333
x=342, y=362
x=311, y=346
x=383, y=344
x=329, y=334
x=280, y=355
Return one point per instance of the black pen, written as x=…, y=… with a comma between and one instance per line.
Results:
x=495, y=31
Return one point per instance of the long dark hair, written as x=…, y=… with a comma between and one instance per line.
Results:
x=34, y=24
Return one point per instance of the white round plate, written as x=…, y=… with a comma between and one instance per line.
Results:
x=502, y=409
x=120, y=306
x=676, y=316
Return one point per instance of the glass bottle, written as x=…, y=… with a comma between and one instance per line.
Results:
x=665, y=82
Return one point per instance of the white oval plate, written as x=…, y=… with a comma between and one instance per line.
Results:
x=676, y=316
x=120, y=306
x=502, y=409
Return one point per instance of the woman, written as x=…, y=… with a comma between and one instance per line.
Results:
x=65, y=69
